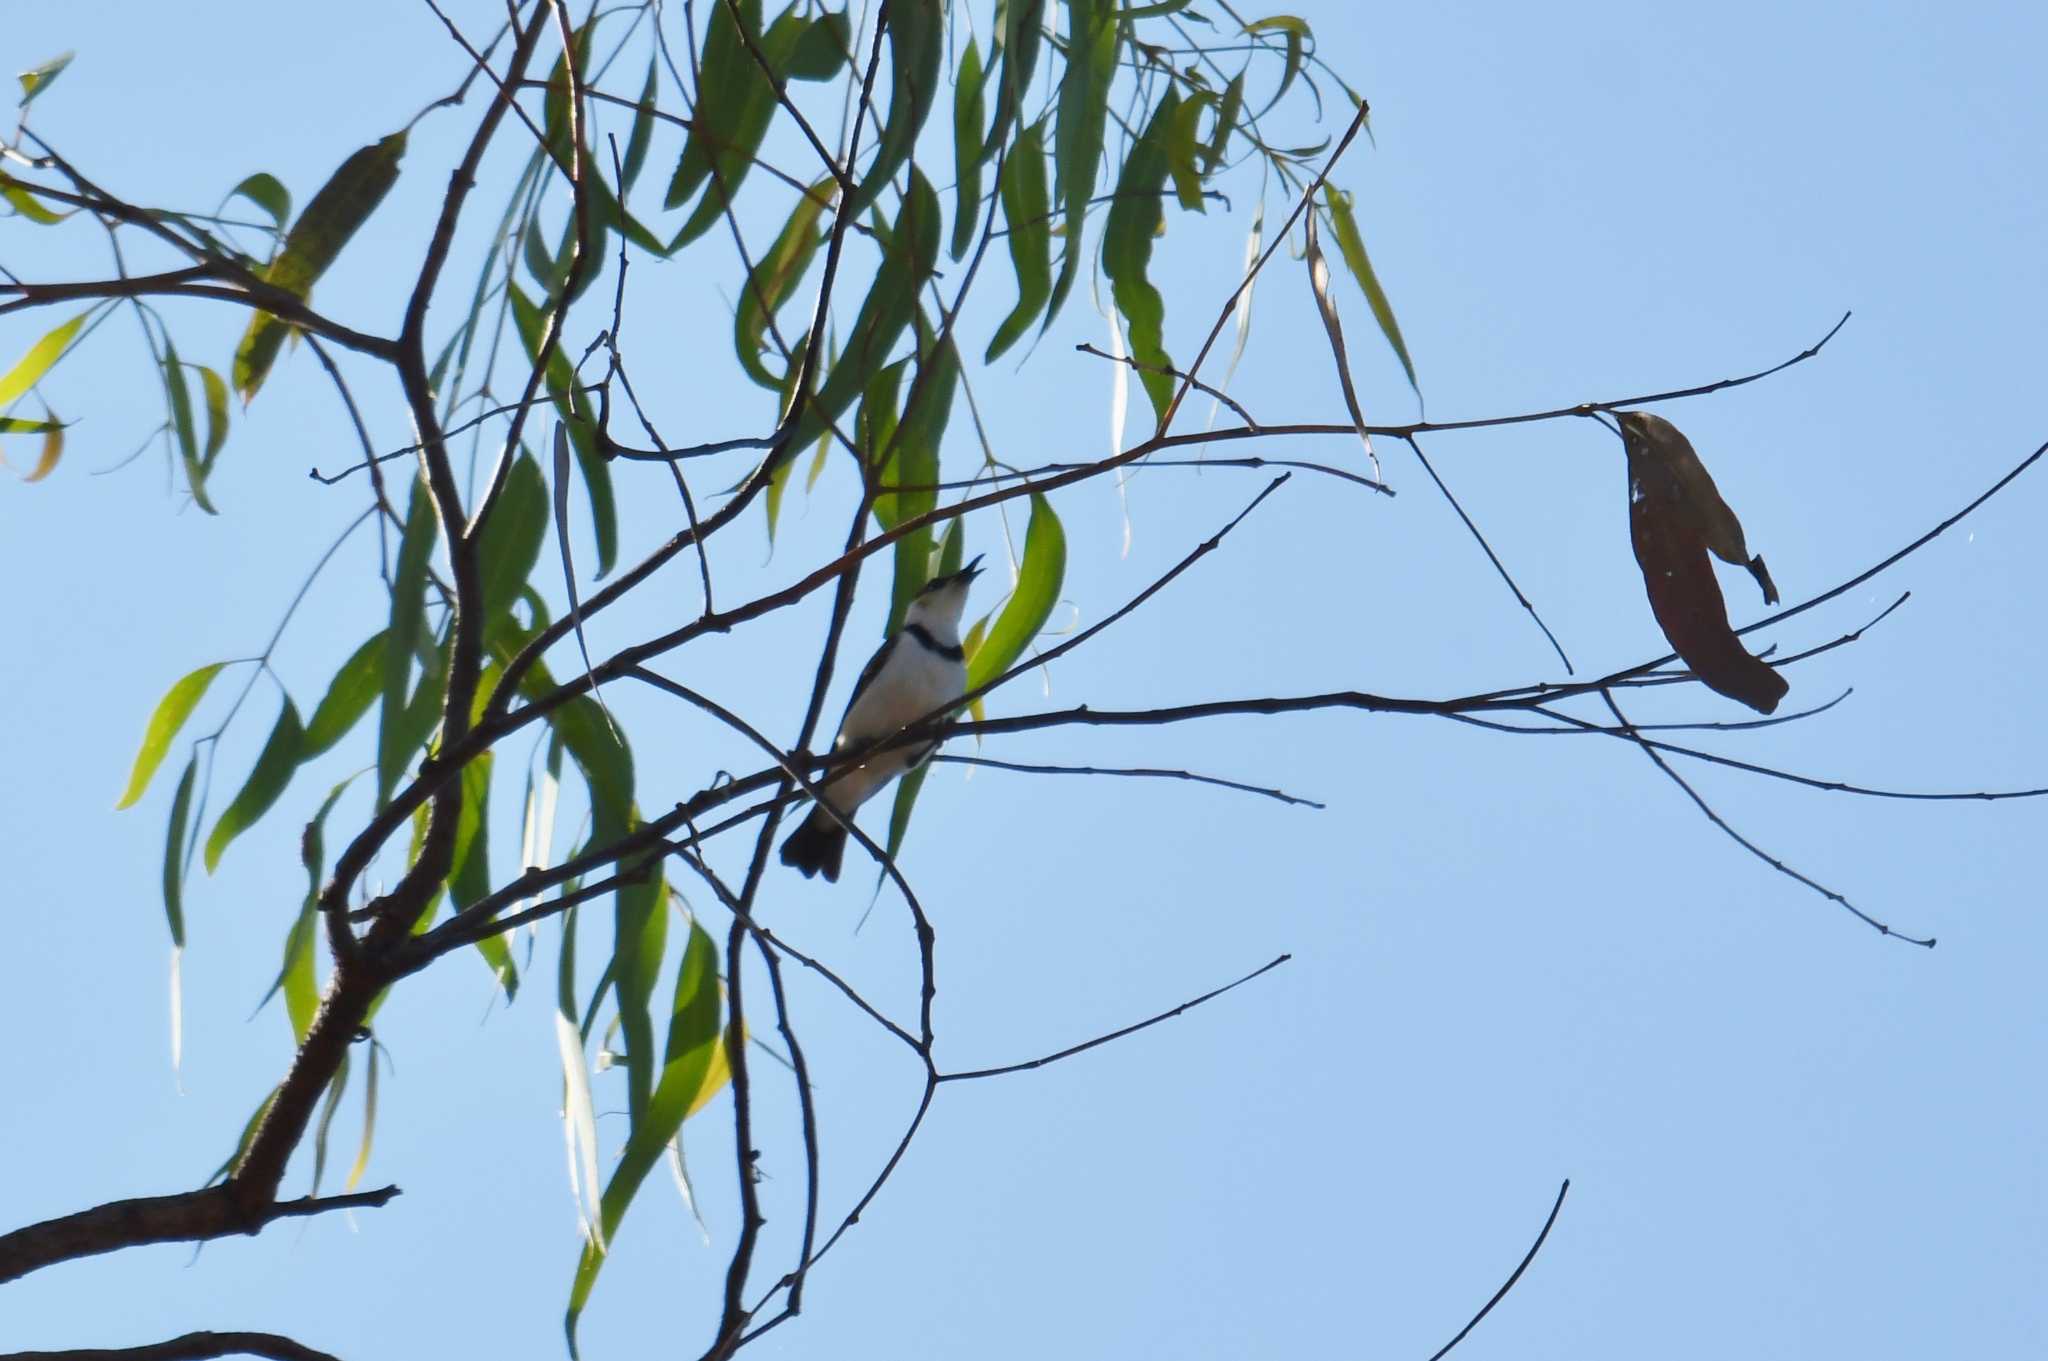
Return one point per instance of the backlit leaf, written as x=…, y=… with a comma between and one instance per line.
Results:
x=273, y=771
x=402, y=638
x=1134, y=219
x=1093, y=33
x=349, y=696
x=1352, y=247
x=693, y=1045
x=967, y=116
x=175, y=842
x=171, y=712
x=30, y=368
x=1039, y=579
x=734, y=130
x=1026, y=216
x=774, y=280
x=916, y=42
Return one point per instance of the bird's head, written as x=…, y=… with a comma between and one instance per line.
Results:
x=939, y=604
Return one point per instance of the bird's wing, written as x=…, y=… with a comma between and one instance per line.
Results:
x=867, y=676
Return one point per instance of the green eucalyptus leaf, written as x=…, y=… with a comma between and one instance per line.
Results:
x=1039, y=578
x=774, y=280
x=1350, y=245
x=30, y=368
x=1135, y=218
x=1027, y=216
x=917, y=41
x=967, y=143
x=175, y=843
x=272, y=772
x=349, y=696
x=694, y=1047
x=403, y=638
x=1093, y=36
x=37, y=79
x=171, y=712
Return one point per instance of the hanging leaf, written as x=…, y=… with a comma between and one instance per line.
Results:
x=774, y=280
x=22, y=198
x=30, y=368
x=175, y=842
x=734, y=129
x=508, y=547
x=343, y=204
x=402, y=638
x=274, y=766
x=1093, y=32
x=349, y=696
x=693, y=1046
x=171, y=712
x=1326, y=305
x=1296, y=34
x=642, y=134
x=575, y=412
x=1675, y=516
x=1135, y=217
x=52, y=431
x=967, y=116
x=1027, y=218
x=911, y=249
x=1039, y=578
x=917, y=40
x=182, y=427
x=1019, y=34
x=1352, y=247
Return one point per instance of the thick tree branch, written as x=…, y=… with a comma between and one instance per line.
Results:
x=190, y=1347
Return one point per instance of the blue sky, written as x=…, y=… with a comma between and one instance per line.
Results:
x=1514, y=959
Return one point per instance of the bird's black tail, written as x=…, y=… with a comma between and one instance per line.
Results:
x=818, y=844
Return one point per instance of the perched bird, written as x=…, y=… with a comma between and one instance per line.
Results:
x=918, y=672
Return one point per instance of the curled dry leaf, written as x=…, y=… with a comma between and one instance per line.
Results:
x=1676, y=516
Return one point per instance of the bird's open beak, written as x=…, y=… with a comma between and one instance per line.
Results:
x=972, y=569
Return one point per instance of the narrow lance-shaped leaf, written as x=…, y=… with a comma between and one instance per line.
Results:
x=1671, y=548
x=52, y=431
x=273, y=771
x=1186, y=153
x=1027, y=217
x=1295, y=31
x=527, y=319
x=171, y=712
x=693, y=1043
x=915, y=464
x=1134, y=219
x=183, y=428
x=1039, y=579
x=640, y=933
x=992, y=650
x=30, y=368
x=967, y=116
x=917, y=40
x=912, y=249
x=1019, y=34
x=1352, y=247
x=1093, y=32
x=728, y=73
x=735, y=130
x=774, y=280
x=642, y=133
x=1333, y=326
x=508, y=547
x=25, y=201
x=341, y=206
x=349, y=696
x=174, y=853
x=408, y=620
